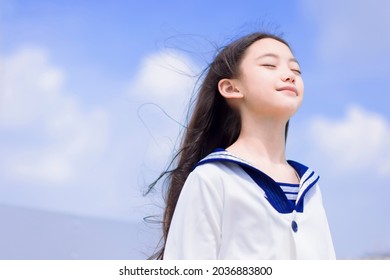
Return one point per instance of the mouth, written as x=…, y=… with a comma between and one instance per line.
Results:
x=289, y=90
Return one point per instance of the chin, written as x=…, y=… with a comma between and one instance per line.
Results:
x=289, y=110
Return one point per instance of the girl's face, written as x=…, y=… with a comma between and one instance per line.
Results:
x=270, y=80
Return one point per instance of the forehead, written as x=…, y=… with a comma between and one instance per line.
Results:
x=269, y=46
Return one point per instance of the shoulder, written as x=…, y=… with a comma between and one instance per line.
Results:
x=220, y=162
x=215, y=171
x=205, y=188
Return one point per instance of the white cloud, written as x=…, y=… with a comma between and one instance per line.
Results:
x=30, y=87
x=360, y=140
x=65, y=157
x=166, y=79
x=163, y=74
x=34, y=105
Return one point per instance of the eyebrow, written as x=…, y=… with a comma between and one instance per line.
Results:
x=276, y=56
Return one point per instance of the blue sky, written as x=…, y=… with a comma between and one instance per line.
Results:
x=79, y=135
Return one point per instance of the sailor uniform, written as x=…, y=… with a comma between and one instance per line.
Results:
x=229, y=209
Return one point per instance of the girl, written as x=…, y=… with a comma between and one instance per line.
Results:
x=233, y=194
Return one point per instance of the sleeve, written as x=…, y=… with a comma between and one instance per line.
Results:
x=195, y=230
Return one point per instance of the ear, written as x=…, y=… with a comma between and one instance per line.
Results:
x=229, y=89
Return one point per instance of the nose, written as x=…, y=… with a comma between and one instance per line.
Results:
x=288, y=77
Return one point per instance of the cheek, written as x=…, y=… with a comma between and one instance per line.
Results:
x=300, y=86
x=258, y=75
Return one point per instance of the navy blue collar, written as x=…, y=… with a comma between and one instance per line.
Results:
x=273, y=192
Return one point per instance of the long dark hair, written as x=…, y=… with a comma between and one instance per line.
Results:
x=213, y=124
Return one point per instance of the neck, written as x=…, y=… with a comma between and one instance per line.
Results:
x=263, y=140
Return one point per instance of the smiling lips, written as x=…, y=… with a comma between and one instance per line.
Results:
x=289, y=89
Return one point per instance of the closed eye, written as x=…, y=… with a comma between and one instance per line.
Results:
x=269, y=65
x=297, y=71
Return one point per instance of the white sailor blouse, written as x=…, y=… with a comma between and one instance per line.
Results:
x=229, y=209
